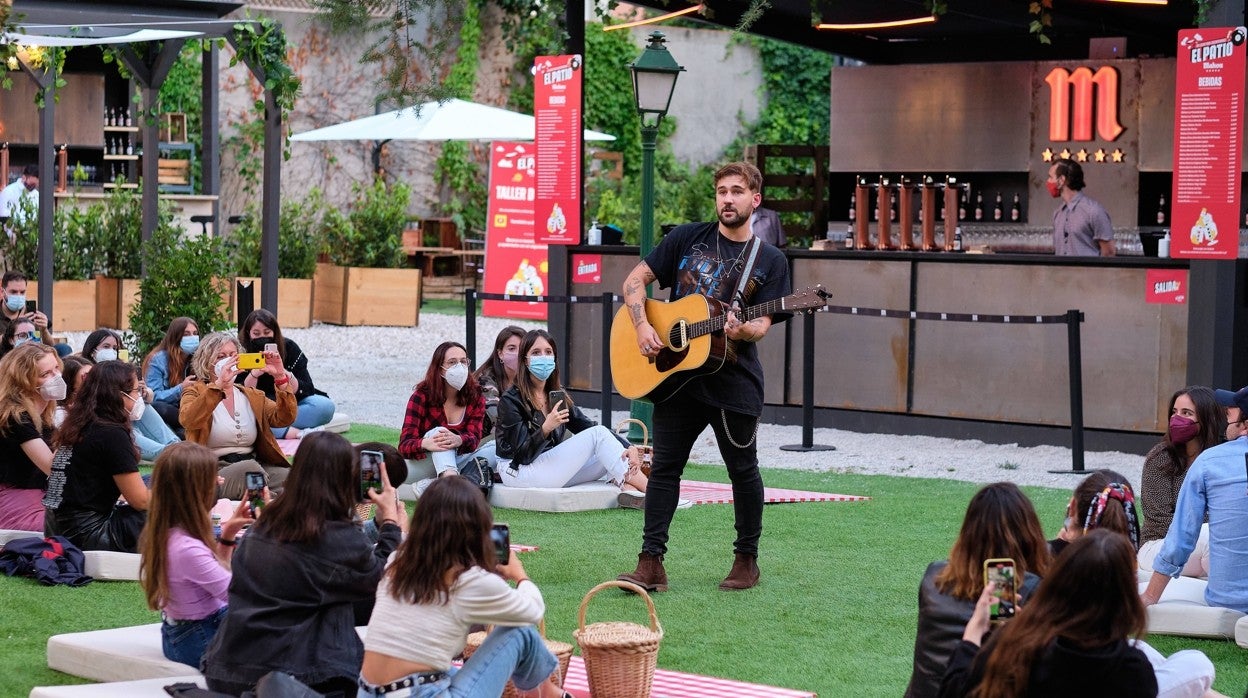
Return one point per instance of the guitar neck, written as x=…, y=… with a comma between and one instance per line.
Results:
x=715, y=324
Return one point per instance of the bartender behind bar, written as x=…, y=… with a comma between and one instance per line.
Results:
x=1081, y=226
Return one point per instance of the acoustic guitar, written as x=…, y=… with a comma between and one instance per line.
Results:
x=694, y=344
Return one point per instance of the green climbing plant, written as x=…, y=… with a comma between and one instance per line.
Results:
x=460, y=177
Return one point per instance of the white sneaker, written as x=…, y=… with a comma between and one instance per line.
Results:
x=683, y=504
x=309, y=430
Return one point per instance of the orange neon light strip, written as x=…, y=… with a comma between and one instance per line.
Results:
x=652, y=20
x=878, y=25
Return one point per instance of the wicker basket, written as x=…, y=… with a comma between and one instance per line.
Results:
x=620, y=657
x=644, y=448
x=561, y=650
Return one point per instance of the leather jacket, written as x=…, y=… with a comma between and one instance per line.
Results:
x=518, y=432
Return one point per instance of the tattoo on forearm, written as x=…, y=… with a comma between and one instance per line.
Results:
x=638, y=311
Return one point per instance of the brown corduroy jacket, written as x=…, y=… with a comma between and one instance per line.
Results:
x=200, y=399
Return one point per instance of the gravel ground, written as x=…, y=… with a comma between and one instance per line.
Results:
x=370, y=373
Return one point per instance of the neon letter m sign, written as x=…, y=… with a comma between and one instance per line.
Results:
x=1084, y=84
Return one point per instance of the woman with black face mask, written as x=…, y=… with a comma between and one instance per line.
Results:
x=315, y=408
x=1196, y=423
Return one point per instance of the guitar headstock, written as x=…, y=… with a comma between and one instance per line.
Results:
x=809, y=300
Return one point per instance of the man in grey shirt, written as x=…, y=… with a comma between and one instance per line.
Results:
x=1081, y=226
x=765, y=224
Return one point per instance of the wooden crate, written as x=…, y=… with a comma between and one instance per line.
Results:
x=363, y=296
x=114, y=298
x=73, y=305
x=294, y=300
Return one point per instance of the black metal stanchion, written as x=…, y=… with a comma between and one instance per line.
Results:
x=808, y=391
x=608, y=304
x=470, y=323
x=245, y=292
x=1075, y=360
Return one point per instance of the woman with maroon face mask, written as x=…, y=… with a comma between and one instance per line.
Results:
x=1196, y=423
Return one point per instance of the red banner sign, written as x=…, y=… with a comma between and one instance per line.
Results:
x=557, y=108
x=517, y=263
x=586, y=268
x=1208, y=121
x=1166, y=286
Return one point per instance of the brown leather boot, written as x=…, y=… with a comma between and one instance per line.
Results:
x=649, y=574
x=744, y=573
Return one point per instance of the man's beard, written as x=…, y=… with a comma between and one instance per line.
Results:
x=738, y=222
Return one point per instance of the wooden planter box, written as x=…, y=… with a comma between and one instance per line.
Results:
x=362, y=296
x=294, y=300
x=114, y=298
x=73, y=305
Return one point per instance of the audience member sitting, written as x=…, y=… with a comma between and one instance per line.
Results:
x=1000, y=522
x=1071, y=639
x=396, y=472
x=1197, y=422
x=315, y=408
x=1087, y=509
x=74, y=370
x=150, y=431
x=95, y=461
x=498, y=373
x=444, y=418
x=1214, y=487
x=298, y=574
x=167, y=368
x=184, y=571
x=30, y=384
x=532, y=448
x=15, y=307
x=446, y=577
x=236, y=421
x=18, y=332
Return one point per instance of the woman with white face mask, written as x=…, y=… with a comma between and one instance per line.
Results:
x=151, y=433
x=444, y=420
x=545, y=442
x=30, y=384
x=95, y=462
x=236, y=421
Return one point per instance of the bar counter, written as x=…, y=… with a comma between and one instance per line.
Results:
x=986, y=377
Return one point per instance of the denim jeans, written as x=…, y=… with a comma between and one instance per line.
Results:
x=314, y=410
x=187, y=641
x=677, y=423
x=152, y=434
x=507, y=653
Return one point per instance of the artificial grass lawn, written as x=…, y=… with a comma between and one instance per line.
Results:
x=834, y=614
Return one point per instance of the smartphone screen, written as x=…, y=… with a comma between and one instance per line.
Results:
x=370, y=473
x=255, y=491
x=1000, y=571
x=500, y=535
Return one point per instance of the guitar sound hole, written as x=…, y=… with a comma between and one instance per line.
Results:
x=678, y=338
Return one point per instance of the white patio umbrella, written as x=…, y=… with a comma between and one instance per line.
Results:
x=452, y=120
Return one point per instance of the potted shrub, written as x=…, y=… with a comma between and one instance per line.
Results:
x=73, y=263
x=185, y=276
x=364, y=282
x=119, y=260
x=298, y=244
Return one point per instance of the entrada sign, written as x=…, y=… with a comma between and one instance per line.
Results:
x=1072, y=119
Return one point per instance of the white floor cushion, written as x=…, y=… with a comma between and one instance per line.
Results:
x=8, y=534
x=1183, y=611
x=118, y=654
x=1241, y=632
x=128, y=689
x=586, y=497
x=100, y=564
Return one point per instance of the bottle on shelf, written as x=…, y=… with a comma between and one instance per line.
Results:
x=892, y=207
x=1016, y=209
x=594, y=237
x=962, y=205
x=126, y=117
x=853, y=205
x=957, y=239
x=1163, y=245
x=979, y=206
x=1161, y=210
x=875, y=209
x=129, y=147
x=998, y=209
x=108, y=116
x=849, y=237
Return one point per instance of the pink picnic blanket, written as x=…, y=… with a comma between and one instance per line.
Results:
x=721, y=493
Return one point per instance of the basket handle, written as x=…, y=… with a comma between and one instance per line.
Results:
x=626, y=586
x=645, y=433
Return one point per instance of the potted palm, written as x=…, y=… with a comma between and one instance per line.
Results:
x=364, y=282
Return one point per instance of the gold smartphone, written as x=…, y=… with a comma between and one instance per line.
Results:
x=247, y=362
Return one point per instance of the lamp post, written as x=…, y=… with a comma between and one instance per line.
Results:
x=654, y=80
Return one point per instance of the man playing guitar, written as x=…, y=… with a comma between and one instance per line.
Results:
x=709, y=259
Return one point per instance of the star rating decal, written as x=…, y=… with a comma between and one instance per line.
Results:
x=1117, y=155
x=1047, y=155
x=1082, y=155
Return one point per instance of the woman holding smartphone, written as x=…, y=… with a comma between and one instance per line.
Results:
x=167, y=368
x=236, y=421
x=260, y=333
x=545, y=442
x=444, y=418
x=184, y=571
x=301, y=575
x=444, y=578
x=96, y=462
x=30, y=385
x=1000, y=522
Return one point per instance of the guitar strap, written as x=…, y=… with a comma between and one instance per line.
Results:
x=750, y=257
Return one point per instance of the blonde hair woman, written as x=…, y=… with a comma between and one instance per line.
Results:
x=30, y=385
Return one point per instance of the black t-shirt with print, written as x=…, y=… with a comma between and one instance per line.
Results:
x=16, y=468
x=696, y=258
x=105, y=450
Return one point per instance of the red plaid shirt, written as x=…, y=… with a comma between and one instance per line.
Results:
x=422, y=416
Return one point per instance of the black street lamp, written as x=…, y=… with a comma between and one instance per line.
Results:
x=654, y=81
